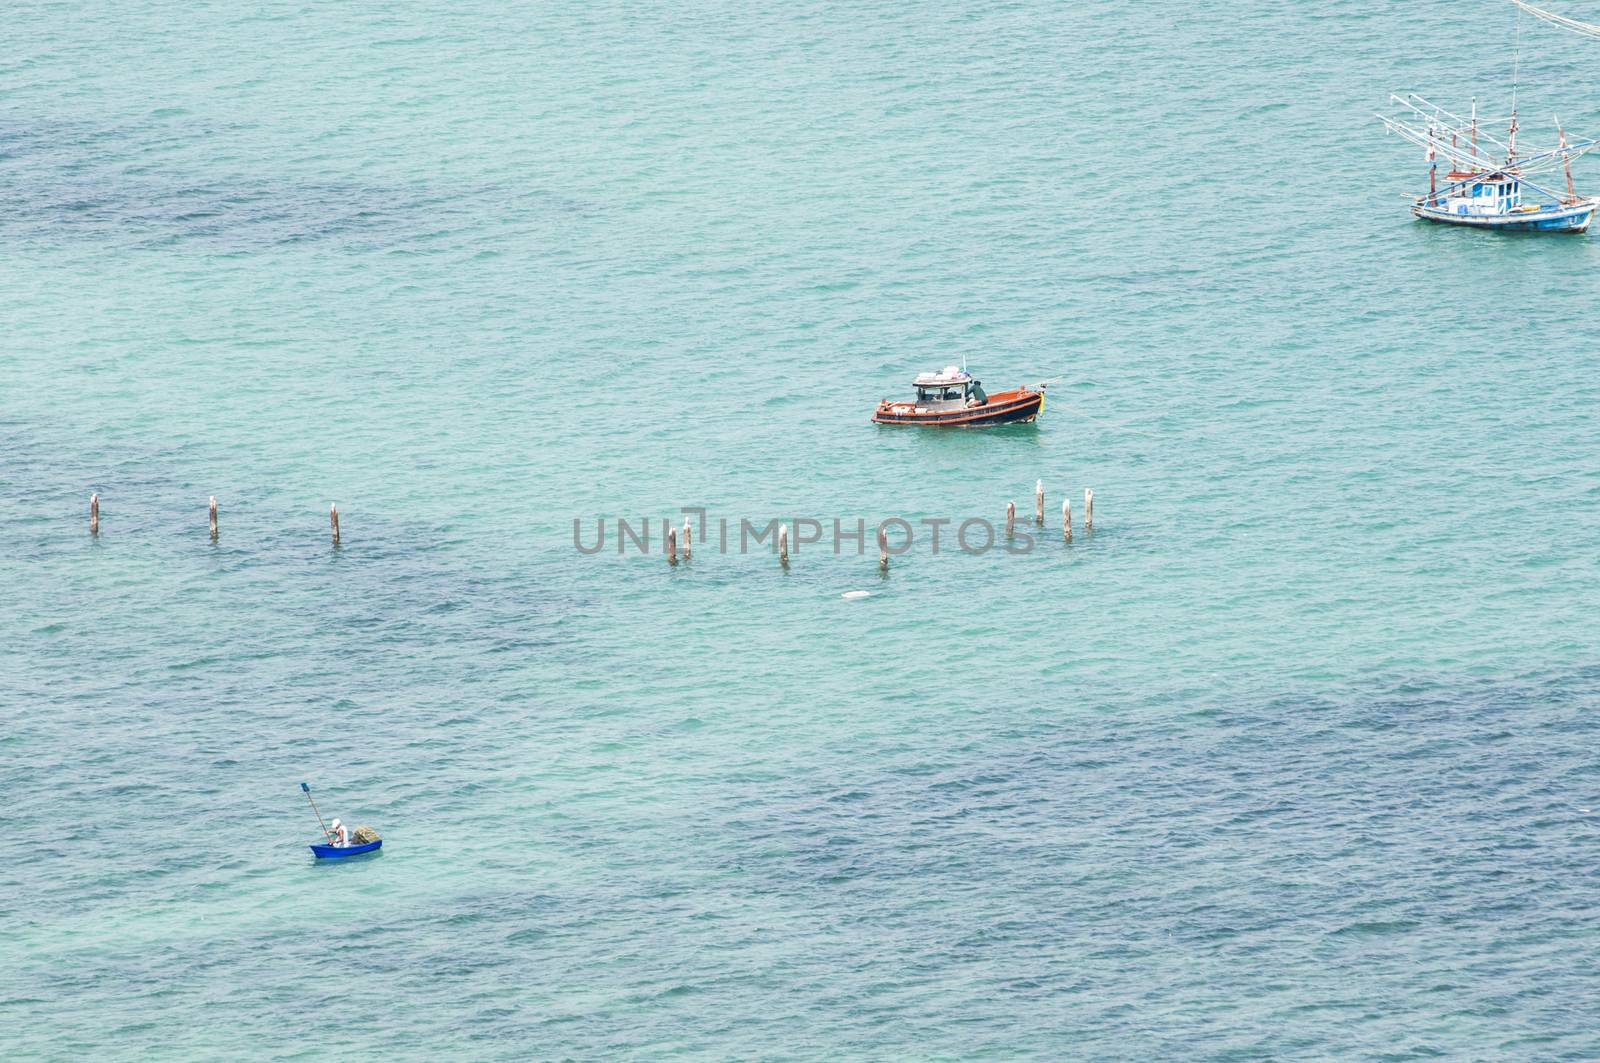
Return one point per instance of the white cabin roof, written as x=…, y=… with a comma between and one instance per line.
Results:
x=948, y=375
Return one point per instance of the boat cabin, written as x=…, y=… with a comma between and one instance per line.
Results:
x=1495, y=195
x=948, y=389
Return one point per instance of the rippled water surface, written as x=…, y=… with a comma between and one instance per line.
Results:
x=1292, y=758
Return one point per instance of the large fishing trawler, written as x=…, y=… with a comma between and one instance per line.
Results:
x=1480, y=190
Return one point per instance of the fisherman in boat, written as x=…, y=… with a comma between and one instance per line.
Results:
x=976, y=395
x=339, y=834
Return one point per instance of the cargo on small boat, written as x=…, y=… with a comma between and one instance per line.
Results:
x=951, y=398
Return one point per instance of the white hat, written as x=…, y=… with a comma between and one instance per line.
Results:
x=337, y=824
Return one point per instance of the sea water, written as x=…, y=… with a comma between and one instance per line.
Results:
x=1293, y=757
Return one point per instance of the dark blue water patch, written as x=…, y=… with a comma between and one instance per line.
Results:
x=65, y=144
x=68, y=181
x=240, y=214
x=1443, y=835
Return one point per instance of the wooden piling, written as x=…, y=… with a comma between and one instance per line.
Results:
x=672, y=546
x=94, y=514
x=1066, y=520
x=1088, y=509
x=333, y=519
x=1038, y=503
x=688, y=540
x=1011, y=518
x=213, y=514
x=883, y=551
x=783, y=544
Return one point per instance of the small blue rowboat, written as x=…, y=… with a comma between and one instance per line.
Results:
x=326, y=851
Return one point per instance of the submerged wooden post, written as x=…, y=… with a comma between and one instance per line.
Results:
x=213, y=513
x=333, y=519
x=1088, y=509
x=1066, y=520
x=94, y=514
x=688, y=540
x=672, y=546
x=883, y=551
x=1038, y=503
x=1011, y=518
x=783, y=544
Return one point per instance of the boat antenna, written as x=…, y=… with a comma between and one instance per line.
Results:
x=1516, y=76
x=1474, y=127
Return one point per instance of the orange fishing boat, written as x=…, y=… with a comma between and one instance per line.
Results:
x=953, y=399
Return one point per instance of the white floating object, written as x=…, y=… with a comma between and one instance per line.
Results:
x=851, y=596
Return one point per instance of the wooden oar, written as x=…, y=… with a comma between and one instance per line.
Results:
x=306, y=788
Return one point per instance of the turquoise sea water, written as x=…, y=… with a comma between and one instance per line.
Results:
x=1292, y=759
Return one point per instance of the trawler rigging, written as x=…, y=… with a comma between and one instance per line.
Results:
x=1588, y=29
